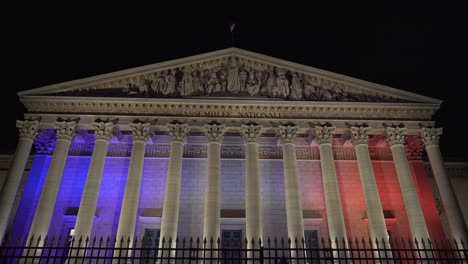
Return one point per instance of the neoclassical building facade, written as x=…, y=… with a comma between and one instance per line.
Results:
x=228, y=142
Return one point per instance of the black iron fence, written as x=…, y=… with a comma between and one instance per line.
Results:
x=190, y=251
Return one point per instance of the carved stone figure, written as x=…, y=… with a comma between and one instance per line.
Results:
x=281, y=89
x=197, y=86
x=170, y=85
x=158, y=83
x=242, y=80
x=296, y=88
x=186, y=83
x=233, y=85
x=252, y=85
x=213, y=85
x=223, y=80
x=269, y=84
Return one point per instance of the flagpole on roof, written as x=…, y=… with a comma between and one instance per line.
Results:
x=232, y=33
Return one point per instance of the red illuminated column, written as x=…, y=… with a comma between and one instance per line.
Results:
x=27, y=133
x=336, y=224
x=40, y=225
x=417, y=223
x=430, y=137
x=377, y=227
x=295, y=220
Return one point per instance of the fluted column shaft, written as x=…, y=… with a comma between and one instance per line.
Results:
x=85, y=219
x=28, y=131
x=43, y=215
x=336, y=224
x=417, y=223
x=211, y=224
x=170, y=213
x=295, y=219
x=128, y=212
x=375, y=216
x=253, y=201
x=430, y=137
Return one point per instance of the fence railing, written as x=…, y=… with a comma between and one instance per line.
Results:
x=194, y=250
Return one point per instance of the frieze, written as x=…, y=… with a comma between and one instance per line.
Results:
x=231, y=76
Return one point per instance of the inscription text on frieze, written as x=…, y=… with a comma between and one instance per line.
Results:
x=232, y=114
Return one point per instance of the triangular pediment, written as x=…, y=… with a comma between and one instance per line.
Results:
x=230, y=73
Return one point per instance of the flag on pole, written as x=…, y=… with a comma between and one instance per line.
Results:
x=232, y=27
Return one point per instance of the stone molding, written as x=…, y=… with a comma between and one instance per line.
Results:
x=103, y=130
x=360, y=135
x=66, y=130
x=430, y=136
x=178, y=132
x=28, y=128
x=395, y=135
x=250, y=133
x=287, y=134
x=324, y=134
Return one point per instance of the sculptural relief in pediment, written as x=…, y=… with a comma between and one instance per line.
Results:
x=231, y=76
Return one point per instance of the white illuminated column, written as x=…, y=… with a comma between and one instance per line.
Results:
x=211, y=223
x=417, y=223
x=40, y=225
x=430, y=137
x=27, y=133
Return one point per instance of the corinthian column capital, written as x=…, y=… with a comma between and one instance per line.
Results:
x=27, y=128
x=66, y=129
x=103, y=130
x=287, y=134
x=430, y=135
x=178, y=132
x=140, y=131
x=324, y=134
x=395, y=135
x=360, y=135
x=215, y=132
x=250, y=133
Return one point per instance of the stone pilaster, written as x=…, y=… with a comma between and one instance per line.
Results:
x=211, y=224
x=27, y=133
x=417, y=223
x=430, y=137
x=375, y=216
x=40, y=225
x=170, y=213
x=86, y=213
x=253, y=200
x=295, y=219
x=336, y=225
x=128, y=212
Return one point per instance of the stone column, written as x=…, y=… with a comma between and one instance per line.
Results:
x=128, y=212
x=84, y=221
x=336, y=224
x=253, y=196
x=40, y=225
x=430, y=137
x=211, y=224
x=417, y=223
x=170, y=212
x=27, y=133
x=295, y=219
x=375, y=216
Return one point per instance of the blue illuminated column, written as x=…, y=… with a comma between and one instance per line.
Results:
x=295, y=219
x=128, y=212
x=170, y=212
x=211, y=224
x=27, y=132
x=40, y=225
x=84, y=221
x=417, y=223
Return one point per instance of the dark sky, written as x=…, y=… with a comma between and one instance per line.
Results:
x=420, y=49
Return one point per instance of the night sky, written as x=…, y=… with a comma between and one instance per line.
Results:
x=417, y=49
